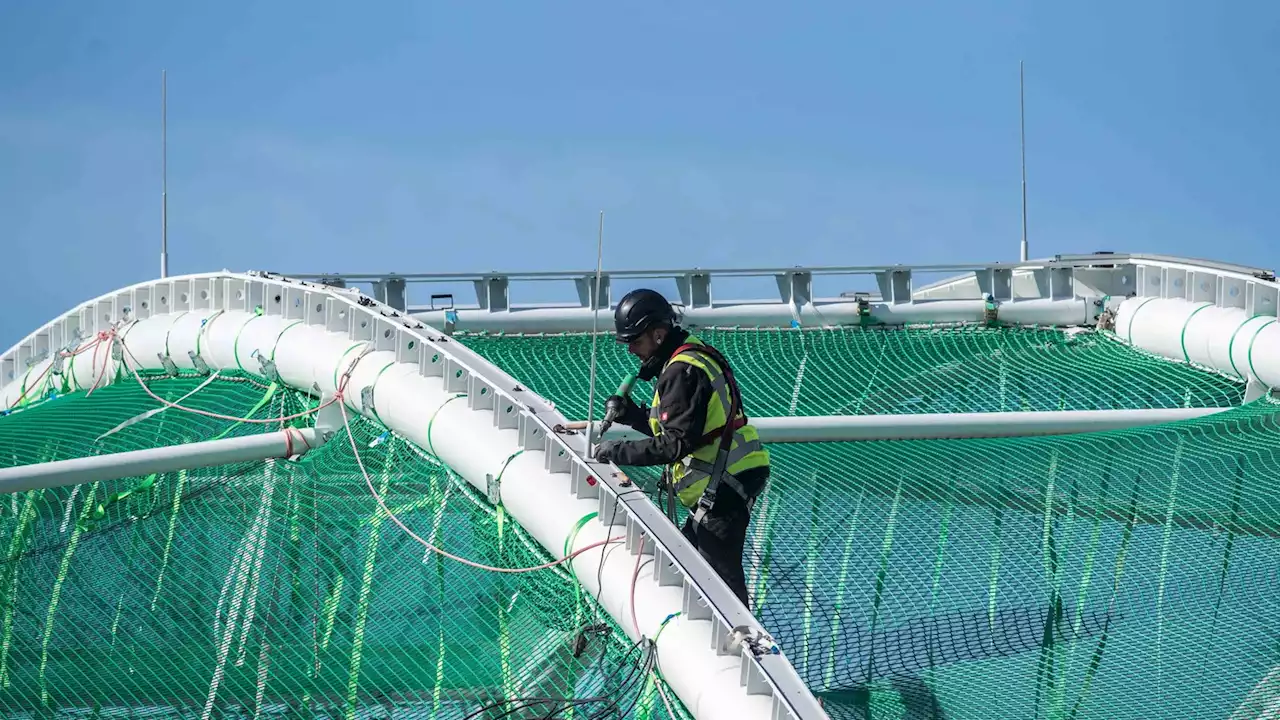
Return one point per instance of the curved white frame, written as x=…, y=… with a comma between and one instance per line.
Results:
x=477, y=420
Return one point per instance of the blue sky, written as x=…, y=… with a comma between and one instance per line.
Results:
x=416, y=137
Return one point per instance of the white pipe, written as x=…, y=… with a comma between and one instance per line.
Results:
x=765, y=314
x=78, y=471
x=851, y=428
x=1227, y=340
x=420, y=409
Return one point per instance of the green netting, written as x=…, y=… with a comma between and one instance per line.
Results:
x=280, y=589
x=1124, y=574
x=852, y=371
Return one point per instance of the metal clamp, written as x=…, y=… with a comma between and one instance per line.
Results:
x=268, y=368
x=493, y=489
x=864, y=307
x=991, y=311
x=201, y=366
x=366, y=399
x=170, y=366
x=758, y=642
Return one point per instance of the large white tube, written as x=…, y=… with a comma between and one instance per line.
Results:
x=419, y=408
x=134, y=463
x=844, y=312
x=1228, y=340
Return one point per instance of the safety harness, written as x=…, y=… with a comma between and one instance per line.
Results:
x=717, y=470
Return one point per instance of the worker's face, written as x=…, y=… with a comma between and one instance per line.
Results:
x=647, y=344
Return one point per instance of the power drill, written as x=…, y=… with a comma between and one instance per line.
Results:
x=612, y=410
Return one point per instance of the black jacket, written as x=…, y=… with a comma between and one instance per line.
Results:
x=685, y=392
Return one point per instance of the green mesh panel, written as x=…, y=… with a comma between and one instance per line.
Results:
x=279, y=589
x=1114, y=575
x=853, y=371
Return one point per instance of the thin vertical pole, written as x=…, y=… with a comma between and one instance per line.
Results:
x=1022, y=121
x=595, y=328
x=164, y=173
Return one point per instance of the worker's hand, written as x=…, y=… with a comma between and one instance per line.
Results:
x=619, y=407
x=605, y=450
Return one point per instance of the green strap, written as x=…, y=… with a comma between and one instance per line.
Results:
x=1252, y=372
x=271, y=391
x=169, y=331
x=200, y=335
x=24, y=396
x=339, y=363
x=1231, y=356
x=282, y=332
x=1183, y=337
x=573, y=534
x=431, y=448
x=505, y=463
x=69, y=376
x=1134, y=315
x=124, y=358
x=378, y=377
x=235, y=346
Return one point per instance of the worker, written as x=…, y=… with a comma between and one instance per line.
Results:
x=696, y=413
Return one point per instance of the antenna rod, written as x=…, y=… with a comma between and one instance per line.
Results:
x=1022, y=120
x=164, y=174
x=595, y=326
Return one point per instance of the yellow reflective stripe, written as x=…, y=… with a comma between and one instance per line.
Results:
x=699, y=469
x=719, y=385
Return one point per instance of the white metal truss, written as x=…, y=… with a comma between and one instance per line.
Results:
x=1063, y=290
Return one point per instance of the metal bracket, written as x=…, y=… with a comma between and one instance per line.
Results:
x=366, y=399
x=1254, y=389
x=56, y=366
x=493, y=489
x=117, y=350
x=170, y=367
x=268, y=368
x=864, y=307
x=329, y=418
x=201, y=366
x=991, y=313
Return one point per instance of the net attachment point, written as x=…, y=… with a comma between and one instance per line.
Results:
x=758, y=643
x=268, y=368
x=329, y=418
x=493, y=489
x=201, y=366
x=170, y=367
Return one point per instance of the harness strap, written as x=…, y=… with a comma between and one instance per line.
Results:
x=718, y=470
x=734, y=425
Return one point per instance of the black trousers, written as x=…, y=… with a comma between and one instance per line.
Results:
x=722, y=534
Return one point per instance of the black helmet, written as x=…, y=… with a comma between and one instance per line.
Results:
x=640, y=310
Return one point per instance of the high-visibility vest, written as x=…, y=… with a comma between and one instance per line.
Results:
x=691, y=474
